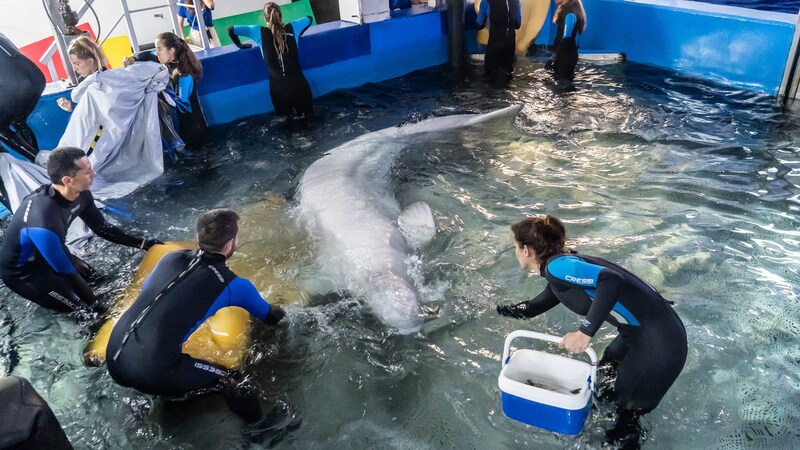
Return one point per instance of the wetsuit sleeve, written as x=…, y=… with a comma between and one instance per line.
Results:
x=55, y=253
x=518, y=23
x=569, y=24
x=300, y=26
x=543, y=302
x=600, y=283
x=97, y=223
x=52, y=249
x=81, y=288
x=609, y=283
x=246, y=296
x=483, y=14
x=250, y=31
x=183, y=97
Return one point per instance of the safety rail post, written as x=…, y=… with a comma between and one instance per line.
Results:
x=791, y=72
x=131, y=32
x=173, y=16
x=201, y=24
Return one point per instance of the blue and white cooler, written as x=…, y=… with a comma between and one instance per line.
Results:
x=545, y=390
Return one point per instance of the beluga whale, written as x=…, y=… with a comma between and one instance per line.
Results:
x=362, y=238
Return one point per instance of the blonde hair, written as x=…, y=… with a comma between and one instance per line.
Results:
x=273, y=16
x=85, y=48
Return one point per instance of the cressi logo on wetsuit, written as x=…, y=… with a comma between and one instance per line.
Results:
x=34, y=259
x=184, y=290
x=602, y=291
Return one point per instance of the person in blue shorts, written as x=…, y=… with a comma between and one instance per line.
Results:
x=288, y=87
x=650, y=350
x=188, y=14
x=34, y=259
x=185, y=288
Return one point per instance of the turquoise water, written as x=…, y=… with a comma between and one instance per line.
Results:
x=691, y=185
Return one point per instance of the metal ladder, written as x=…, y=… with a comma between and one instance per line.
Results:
x=62, y=40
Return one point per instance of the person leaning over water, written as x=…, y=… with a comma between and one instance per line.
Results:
x=86, y=59
x=34, y=260
x=650, y=350
x=288, y=87
x=182, y=109
x=185, y=288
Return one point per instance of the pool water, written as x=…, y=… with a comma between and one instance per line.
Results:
x=689, y=184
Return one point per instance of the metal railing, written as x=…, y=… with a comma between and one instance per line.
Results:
x=172, y=5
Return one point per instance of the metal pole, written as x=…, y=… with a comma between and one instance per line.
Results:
x=59, y=31
x=791, y=75
x=131, y=32
x=173, y=16
x=455, y=35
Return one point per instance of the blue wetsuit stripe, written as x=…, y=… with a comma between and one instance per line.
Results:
x=183, y=97
x=483, y=13
x=241, y=293
x=251, y=31
x=300, y=26
x=245, y=295
x=49, y=245
x=627, y=315
x=575, y=270
x=569, y=24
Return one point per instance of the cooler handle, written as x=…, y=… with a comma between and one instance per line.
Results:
x=550, y=338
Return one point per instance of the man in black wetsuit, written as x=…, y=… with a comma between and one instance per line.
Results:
x=185, y=288
x=651, y=348
x=34, y=260
x=505, y=17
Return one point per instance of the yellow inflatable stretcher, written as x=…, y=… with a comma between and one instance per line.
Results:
x=221, y=339
x=534, y=13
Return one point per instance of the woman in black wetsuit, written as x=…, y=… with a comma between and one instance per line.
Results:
x=22, y=84
x=650, y=350
x=570, y=20
x=288, y=87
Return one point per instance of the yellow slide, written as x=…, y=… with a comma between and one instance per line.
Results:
x=221, y=339
x=534, y=13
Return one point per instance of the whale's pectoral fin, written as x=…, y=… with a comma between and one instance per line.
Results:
x=416, y=224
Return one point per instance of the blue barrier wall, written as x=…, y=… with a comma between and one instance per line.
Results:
x=334, y=55
x=736, y=46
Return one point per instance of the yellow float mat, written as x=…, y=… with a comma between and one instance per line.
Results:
x=221, y=339
x=116, y=49
x=534, y=13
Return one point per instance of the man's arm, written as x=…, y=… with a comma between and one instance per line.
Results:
x=96, y=222
x=246, y=296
